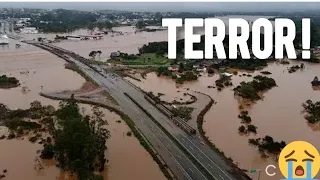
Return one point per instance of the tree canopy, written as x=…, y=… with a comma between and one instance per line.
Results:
x=80, y=142
x=140, y=24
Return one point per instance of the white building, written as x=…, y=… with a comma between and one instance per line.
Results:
x=226, y=74
x=29, y=30
x=24, y=20
x=4, y=40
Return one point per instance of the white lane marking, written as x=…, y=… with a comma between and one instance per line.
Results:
x=208, y=158
x=191, y=147
x=221, y=176
x=210, y=166
x=190, y=170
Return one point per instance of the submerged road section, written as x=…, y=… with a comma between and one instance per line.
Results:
x=184, y=154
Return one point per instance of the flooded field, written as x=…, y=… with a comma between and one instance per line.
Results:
x=37, y=71
x=278, y=114
x=34, y=68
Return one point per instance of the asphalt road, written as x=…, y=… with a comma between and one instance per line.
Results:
x=203, y=154
x=176, y=159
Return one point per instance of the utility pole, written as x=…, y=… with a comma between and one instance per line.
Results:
x=259, y=174
x=254, y=171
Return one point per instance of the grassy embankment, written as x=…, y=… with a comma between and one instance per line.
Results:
x=147, y=59
x=202, y=133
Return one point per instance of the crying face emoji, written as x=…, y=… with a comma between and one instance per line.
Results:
x=299, y=160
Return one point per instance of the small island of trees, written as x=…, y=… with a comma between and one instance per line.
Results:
x=182, y=76
x=294, y=68
x=312, y=110
x=223, y=81
x=315, y=81
x=267, y=146
x=249, y=90
x=246, y=120
x=8, y=82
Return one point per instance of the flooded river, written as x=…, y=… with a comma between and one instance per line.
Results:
x=278, y=114
x=35, y=68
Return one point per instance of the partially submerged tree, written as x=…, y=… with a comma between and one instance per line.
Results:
x=79, y=144
x=140, y=24
x=93, y=54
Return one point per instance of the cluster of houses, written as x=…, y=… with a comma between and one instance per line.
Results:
x=316, y=51
x=23, y=24
x=199, y=66
x=79, y=37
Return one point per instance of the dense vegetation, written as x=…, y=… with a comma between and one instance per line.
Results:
x=36, y=111
x=179, y=77
x=186, y=76
x=249, y=90
x=315, y=81
x=244, y=116
x=294, y=68
x=79, y=141
x=183, y=112
x=246, y=120
x=140, y=24
x=61, y=20
x=267, y=145
x=312, y=110
x=8, y=82
x=223, y=81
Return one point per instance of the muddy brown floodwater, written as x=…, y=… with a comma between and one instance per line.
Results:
x=129, y=42
x=34, y=68
x=278, y=114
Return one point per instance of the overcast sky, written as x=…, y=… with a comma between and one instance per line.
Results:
x=172, y=7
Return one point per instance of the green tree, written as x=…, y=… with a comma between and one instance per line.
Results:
x=92, y=54
x=35, y=105
x=252, y=128
x=80, y=141
x=140, y=24
x=242, y=129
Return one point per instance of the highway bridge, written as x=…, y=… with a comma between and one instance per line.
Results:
x=184, y=154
